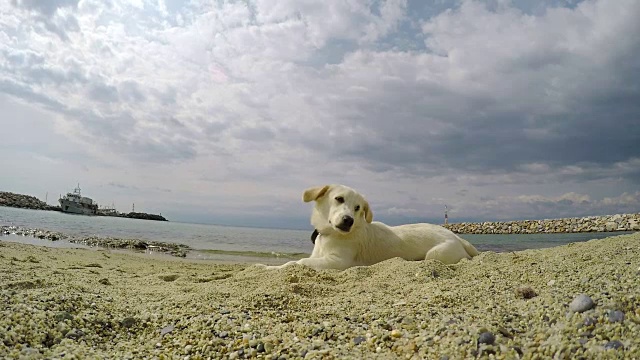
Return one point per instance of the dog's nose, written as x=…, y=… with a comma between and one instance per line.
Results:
x=347, y=222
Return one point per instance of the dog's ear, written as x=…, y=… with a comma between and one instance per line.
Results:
x=315, y=193
x=368, y=214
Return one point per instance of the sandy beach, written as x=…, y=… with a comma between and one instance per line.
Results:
x=576, y=301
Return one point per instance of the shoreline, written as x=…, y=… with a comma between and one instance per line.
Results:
x=18, y=234
x=504, y=305
x=586, y=224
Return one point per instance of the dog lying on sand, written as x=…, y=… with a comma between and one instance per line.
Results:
x=348, y=236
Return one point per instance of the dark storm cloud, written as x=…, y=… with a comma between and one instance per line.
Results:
x=556, y=107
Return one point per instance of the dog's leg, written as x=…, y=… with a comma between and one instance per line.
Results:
x=318, y=263
x=447, y=253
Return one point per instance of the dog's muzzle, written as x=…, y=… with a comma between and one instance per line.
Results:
x=346, y=223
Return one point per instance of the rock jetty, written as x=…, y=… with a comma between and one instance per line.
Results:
x=144, y=216
x=607, y=223
x=10, y=199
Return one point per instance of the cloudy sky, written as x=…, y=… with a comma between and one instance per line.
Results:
x=225, y=111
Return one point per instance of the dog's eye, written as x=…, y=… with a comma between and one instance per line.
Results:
x=339, y=199
x=357, y=207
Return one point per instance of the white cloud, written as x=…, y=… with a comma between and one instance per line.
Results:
x=217, y=99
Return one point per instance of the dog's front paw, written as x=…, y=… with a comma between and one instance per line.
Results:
x=267, y=267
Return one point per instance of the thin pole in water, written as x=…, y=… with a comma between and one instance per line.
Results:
x=446, y=215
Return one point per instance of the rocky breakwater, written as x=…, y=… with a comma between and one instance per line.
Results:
x=607, y=223
x=23, y=201
x=178, y=250
x=145, y=216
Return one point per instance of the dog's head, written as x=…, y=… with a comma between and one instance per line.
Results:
x=339, y=209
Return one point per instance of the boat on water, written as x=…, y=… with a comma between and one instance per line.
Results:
x=75, y=203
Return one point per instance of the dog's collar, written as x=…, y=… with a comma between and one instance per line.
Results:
x=314, y=235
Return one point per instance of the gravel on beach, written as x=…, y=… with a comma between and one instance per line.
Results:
x=576, y=301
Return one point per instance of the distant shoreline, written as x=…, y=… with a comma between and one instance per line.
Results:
x=604, y=223
x=21, y=201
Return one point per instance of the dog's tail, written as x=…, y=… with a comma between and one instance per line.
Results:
x=471, y=250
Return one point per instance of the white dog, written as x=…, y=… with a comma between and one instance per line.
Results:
x=348, y=237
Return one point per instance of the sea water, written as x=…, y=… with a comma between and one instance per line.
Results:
x=218, y=239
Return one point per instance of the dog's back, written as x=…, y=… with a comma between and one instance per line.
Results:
x=428, y=236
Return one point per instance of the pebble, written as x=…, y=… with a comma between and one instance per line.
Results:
x=526, y=292
x=590, y=321
x=581, y=303
x=396, y=333
x=63, y=315
x=74, y=334
x=128, y=322
x=614, y=345
x=167, y=329
x=486, y=338
x=359, y=339
x=616, y=316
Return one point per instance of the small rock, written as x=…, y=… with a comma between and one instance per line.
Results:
x=590, y=321
x=396, y=333
x=104, y=281
x=167, y=329
x=525, y=292
x=260, y=347
x=616, y=316
x=169, y=278
x=551, y=282
x=506, y=333
x=359, y=339
x=223, y=334
x=63, y=315
x=74, y=334
x=581, y=303
x=614, y=345
x=128, y=322
x=486, y=338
